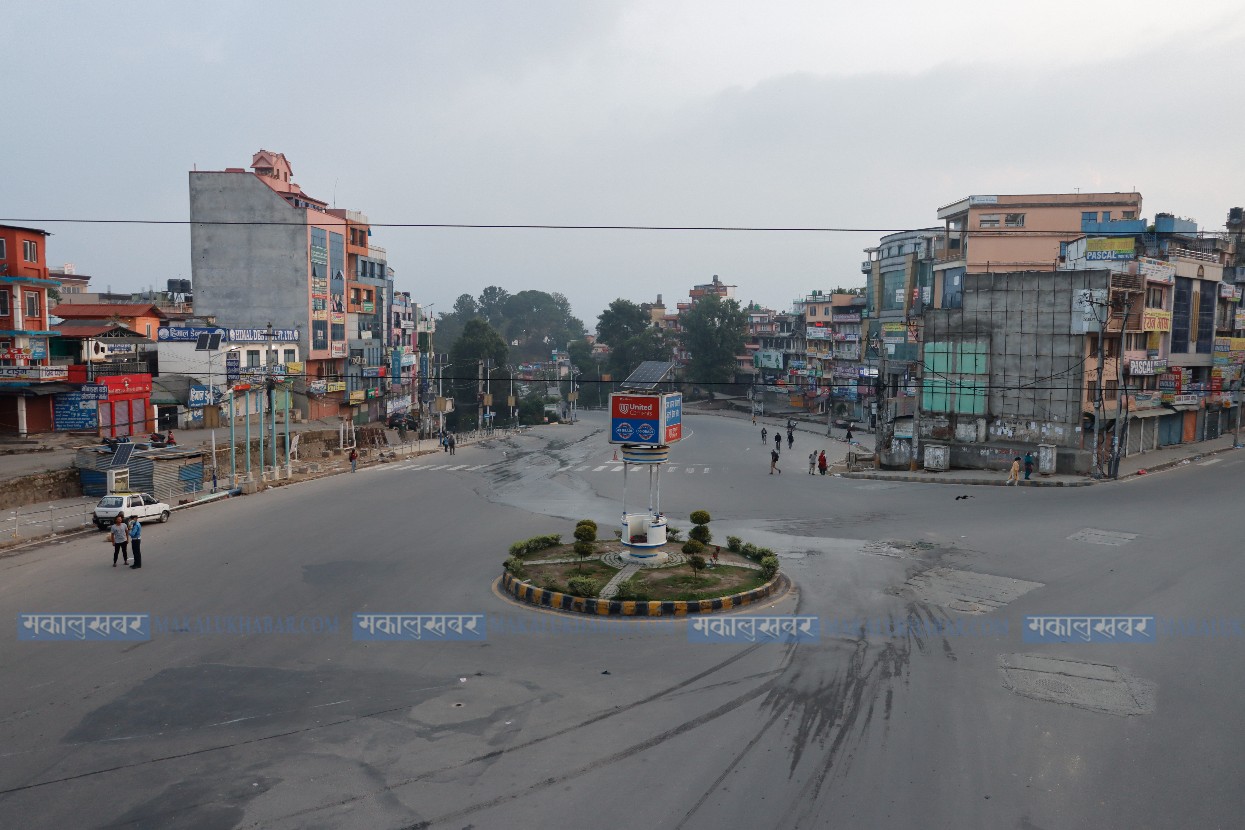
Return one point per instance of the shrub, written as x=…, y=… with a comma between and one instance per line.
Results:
x=734, y=544
x=700, y=517
x=756, y=554
x=549, y=583
x=769, y=567
x=583, y=586
x=697, y=562
x=584, y=533
x=514, y=565
x=587, y=523
x=691, y=547
x=701, y=534
x=536, y=543
x=674, y=534
x=633, y=590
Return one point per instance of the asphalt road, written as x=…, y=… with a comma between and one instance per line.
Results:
x=549, y=722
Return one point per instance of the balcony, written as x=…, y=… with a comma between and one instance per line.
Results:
x=1189, y=253
x=1117, y=227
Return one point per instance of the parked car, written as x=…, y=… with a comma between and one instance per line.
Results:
x=143, y=506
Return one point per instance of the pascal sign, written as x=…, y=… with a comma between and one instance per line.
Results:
x=637, y=418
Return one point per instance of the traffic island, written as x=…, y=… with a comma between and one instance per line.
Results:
x=669, y=580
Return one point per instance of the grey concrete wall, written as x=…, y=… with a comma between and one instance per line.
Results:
x=248, y=274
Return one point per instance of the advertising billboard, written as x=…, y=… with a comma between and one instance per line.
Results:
x=1111, y=248
x=640, y=418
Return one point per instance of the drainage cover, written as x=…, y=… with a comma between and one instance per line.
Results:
x=1094, y=686
x=966, y=591
x=1093, y=536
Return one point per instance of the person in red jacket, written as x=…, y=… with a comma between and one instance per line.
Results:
x=821, y=463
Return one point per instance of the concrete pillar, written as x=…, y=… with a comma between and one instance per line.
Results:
x=21, y=416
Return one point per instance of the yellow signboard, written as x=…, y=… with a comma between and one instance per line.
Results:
x=335, y=386
x=293, y=368
x=358, y=396
x=1152, y=319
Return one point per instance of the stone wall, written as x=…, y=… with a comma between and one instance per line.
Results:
x=40, y=488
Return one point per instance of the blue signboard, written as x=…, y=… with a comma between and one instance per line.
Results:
x=233, y=368
x=199, y=397
x=187, y=334
x=635, y=418
x=672, y=418
x=94, y=392
x=73, y=410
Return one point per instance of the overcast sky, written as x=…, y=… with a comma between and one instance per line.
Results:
x=637, y=112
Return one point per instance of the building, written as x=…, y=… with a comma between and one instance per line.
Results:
x=72, y=284
x=28, y=380
x=143, y=319
x=263, y=251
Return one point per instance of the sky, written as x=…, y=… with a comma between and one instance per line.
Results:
x=820, y=114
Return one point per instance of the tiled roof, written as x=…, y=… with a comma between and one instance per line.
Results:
x=96, y=311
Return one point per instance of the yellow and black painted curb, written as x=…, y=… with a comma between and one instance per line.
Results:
x=532, y=595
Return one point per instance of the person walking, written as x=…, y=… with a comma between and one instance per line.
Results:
x=120, y=540
x=1013, y=475
x=754, y=419
x=453, y=444
x=764, y=435
x=354, y=460
x=848, y=436
x=1028, y=465
x=777, y=441
x=773, y=461
x=821, y=463
x=136, y=542
x=790, y=439
x=812, y=462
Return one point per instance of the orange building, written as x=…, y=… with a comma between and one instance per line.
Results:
x=27, y=381
x=141, y=318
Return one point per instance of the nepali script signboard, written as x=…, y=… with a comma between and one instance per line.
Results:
x=645, y=418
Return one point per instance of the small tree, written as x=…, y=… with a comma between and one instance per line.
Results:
x=700, y=532
x=691, y=547
x=734, y=544
x=585, y=539
x=698, y=563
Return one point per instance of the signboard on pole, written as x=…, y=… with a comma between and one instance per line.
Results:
x=639, y=418
x=672, y=417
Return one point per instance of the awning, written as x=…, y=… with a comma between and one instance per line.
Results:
x=1185, y=407
x=37, y=390
x=1148, y=413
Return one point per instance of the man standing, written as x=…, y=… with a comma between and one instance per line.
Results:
x=136, y=542
x=453, y=444
x=354, y=460
x=120, y=540
x=777, y=441
x=773, y=460
x=812, y=462
x=1028, y=465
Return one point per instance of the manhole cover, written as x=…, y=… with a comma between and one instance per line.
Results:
x=1094, y=686
x=1093, y=536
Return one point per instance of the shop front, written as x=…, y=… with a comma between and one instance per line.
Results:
x=127, y=408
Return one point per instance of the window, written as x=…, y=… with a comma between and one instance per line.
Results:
x=3, y=255
x=252, y=358
x=32, y=304
x=1129, y=214
x=812, y=311
x=1135, y=341
x=988, y=220
x=4, y=302
x=1089, y=216
x=290, y=356
x=1154, y=297
x=30, y=251
x=1014, y=220
x=1106, y=216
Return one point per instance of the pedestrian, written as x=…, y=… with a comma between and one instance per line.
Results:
x=812, y=462
x=354, y=460
x=848, y=437
x=773, y=461
x=790, y=439
x=821, y=463
x=777, y=441
x=120, y=535
x=136, y=542
x=715, y=555
x=764, y=435
x=754, y=419
x=453, y=444
x=1013, y=475
x=1028, y=465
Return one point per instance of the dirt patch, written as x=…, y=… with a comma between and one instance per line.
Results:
x=559, y=573
x=682, y=583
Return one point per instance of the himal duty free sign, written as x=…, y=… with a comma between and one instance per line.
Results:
x=645, y=419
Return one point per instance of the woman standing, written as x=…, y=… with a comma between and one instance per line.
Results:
x=120, y=540
x=821, y=463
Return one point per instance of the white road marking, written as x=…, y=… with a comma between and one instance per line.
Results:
x=476, y=467
x=599, y=469
x=1208, y=463
x=706, y=469
x=616, y=469
x=457, y=467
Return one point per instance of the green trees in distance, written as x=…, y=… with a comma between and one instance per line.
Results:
x=649, y=344
x=478, y=341
x=714, y=331
x=534, y=323
x=620, y=322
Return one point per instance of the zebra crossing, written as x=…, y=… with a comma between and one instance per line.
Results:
x=608, y=467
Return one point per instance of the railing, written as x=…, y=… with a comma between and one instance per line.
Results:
x=1189, y=253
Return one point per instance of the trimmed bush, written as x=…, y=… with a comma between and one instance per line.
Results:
x=691, y=547
x=698, y=563
x=734, y=544
x=587, y=523
x=700, y=517
x=756, y=554
x=549, y=583
x=633, y=590
x=701, y=534
x=583, y=586
x=514, y=565
x=769, y=567
x=536, y=543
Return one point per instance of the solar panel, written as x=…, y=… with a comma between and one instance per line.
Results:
x=201, y=342
x=648, y=375
x=214, y=341
x=121, y=457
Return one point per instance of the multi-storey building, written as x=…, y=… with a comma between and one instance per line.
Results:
x=27, y=379
x=263, y=251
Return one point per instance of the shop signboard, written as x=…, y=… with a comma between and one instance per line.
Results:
x=186, y=334
x=817, y=333
x=1153, y=319
x=1240, y=319
x=261, y=336
x=1150, y=366
x=39, y=373
x=74, y=410
x=672, y=417
x=1103, y=249
x=94, y=392
x=335, y=386
x=1156, y=270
